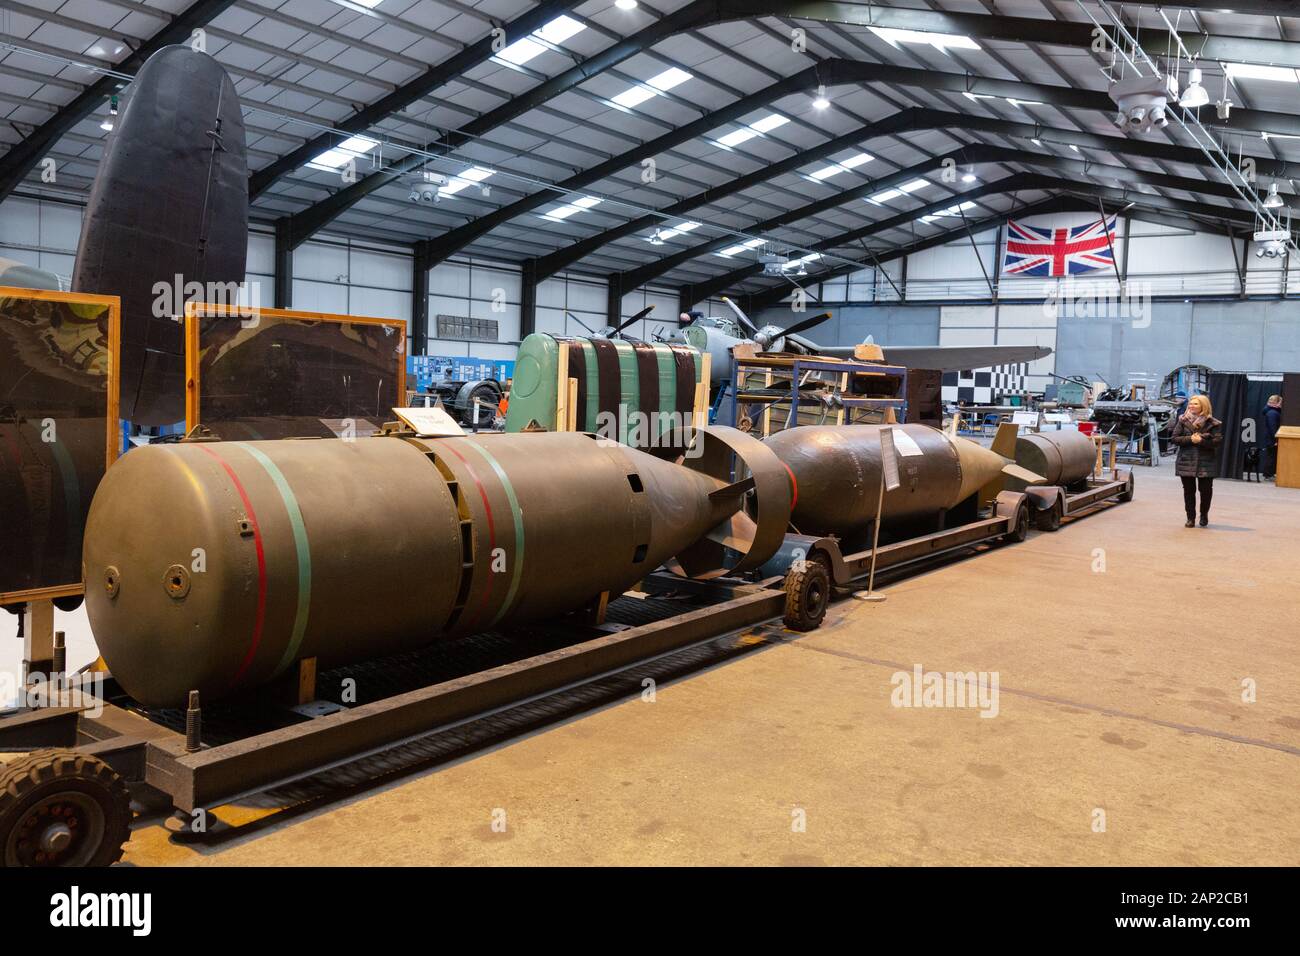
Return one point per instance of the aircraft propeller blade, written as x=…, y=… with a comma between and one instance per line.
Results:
x=580, y=322
x=636, y=318
x=806, y=324
x=741, y=317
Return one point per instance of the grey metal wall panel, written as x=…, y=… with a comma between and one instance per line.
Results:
x=1230, y=335
x=891, y=324
x=1281, y=347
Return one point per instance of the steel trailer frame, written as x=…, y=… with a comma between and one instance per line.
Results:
x=1054, y=503
x=1008, y=520
x=144, y=751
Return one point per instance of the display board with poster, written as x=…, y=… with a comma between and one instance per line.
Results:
x=254, y=373
x=59, y=368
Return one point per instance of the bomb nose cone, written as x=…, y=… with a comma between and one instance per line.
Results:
x=979, y=466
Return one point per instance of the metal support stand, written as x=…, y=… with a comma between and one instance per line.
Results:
x=193, y=724
x=870, y=593
x=38, y=639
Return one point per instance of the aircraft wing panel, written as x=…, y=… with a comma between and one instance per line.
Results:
x=950, y=358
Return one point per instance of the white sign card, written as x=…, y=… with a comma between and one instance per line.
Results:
x=889, y=459
x=429, y=422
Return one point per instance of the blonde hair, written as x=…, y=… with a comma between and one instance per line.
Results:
x=1204, y=402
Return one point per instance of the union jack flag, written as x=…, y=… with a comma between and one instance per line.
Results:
x=1035, y=251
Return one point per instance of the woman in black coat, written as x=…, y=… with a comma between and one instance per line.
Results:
x=1198, y=435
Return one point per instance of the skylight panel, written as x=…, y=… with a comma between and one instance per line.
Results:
x=735, y=250
x=668, y=79
x=769, y=123
x=738, y=137
x=336, y=157
x=633, y=96
x=764, y=125
x=470, y=176
x=675, y=230
x=565, y=211
x=661, y=83
x=803, y=260
x=554, y=33
x=1254, y=71
x=853, y=162
x=889, y=194
x=956, y=210
x=943, y=42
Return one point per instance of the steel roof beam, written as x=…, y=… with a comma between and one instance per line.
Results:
x=402, y=97
x=912, y=119
x=903, y=121
x=1261, y=8
x=976, y=153
x=704, y=12
x=448, y=243
x=830, y=73
x=1079, y=34
x=692, y=15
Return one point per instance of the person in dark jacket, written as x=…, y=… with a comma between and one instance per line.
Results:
x=1268, y=439
x=1198, y=435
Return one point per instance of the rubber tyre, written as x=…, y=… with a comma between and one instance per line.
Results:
x=57, y=779
x=1049, y=520
x=1127, y=493
x=1020, y=530
x=807, y=595
x=480, y=416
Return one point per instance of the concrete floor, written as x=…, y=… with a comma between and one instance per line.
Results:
x=1121, y=695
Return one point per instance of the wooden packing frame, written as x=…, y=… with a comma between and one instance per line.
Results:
x=195, y=312
x=566, y=391
x=112, y=440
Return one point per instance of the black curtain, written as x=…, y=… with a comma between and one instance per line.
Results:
x=1228, y=396
x=1290, y=398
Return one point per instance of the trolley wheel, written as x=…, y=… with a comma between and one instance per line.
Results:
x=1049, y=520
x=1127, y=493
x=62, y=808
x=481, y=415
x=1020, y=530
x=807, y=595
